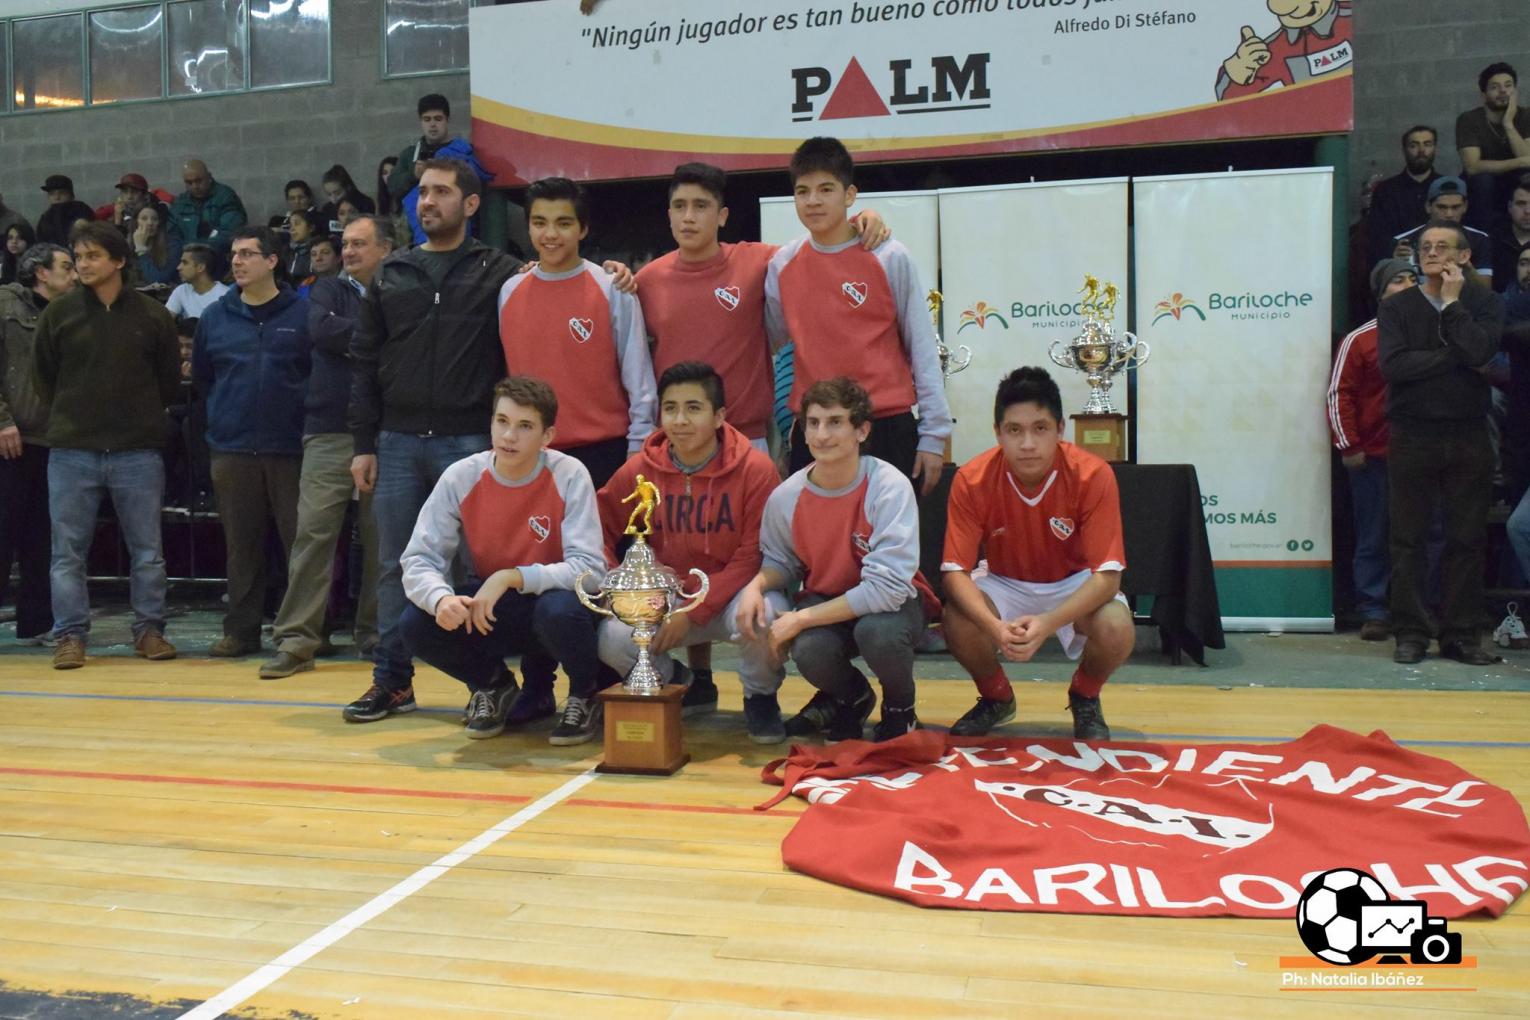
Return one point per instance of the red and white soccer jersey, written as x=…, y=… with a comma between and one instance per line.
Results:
x=1072, y=523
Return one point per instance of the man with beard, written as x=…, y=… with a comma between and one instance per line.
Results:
x=1494, y=142
x=1396, y=201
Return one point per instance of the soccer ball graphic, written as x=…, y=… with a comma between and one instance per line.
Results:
x=1328, y=915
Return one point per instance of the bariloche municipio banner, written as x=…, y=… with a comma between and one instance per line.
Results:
x=639, y=87
x=1131, y=827
x=1233, y=294
x=1012, y=262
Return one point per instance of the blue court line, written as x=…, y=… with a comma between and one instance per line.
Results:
x=186, y=700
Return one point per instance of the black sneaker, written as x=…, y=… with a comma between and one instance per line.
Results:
x=983, y=716
x=582, y=718
x=1088, y=720
x=701, y=696
x=895, y=722
x=486, y=710
x=762, y=715
x=379, y=703
x=849, y=722
x=532, y=704
x=814, y=717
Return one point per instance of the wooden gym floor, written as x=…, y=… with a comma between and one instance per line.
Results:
x=174, y=833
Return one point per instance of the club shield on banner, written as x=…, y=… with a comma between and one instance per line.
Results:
x=1233, y=292
x=1012, y=261
x=638, y=87
x=1131, y=827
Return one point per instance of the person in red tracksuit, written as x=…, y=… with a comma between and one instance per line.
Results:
x=1315, y=39
x=1357, y=419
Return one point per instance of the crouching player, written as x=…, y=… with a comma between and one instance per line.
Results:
x=526, y=517
x=1046, y=516
x=713, y=485
x=848, y=526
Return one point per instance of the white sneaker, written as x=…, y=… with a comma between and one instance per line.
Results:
x=1511, y=632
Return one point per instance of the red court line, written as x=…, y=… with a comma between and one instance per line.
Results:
x=375, y=791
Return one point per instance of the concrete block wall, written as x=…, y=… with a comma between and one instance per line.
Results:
x=254, y=142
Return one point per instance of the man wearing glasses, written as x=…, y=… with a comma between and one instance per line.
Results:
x=1434, y=339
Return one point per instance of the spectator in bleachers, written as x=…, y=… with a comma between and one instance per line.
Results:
x=132, y=195
x=1511, y=236
x=108, y=360
x=10, y=217
x=325, y=485
x=251, y=362
x=302, y=228
x=1433, y=341
x=1494, y=142
x=299, y=198
x=323, y=262
x=199, y=284
x=387, y=203
x=46, y=274
x=1357, y=420
x=158, y=250
x=346, y=210
x=1516, y=340
x=1447, y=203
x=435, y=131
x=63, y=212
x=339, y=186
x=1396, y=201
x=18, y=238
x=206, y=211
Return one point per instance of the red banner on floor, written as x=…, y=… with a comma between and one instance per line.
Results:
x=1143, y=828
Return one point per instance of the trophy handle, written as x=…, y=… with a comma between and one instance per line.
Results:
x=579, y=591
x=1140, y=352
x=961, y=358
x=1061, y=361
x=696, y=599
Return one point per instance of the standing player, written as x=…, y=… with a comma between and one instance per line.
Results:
x=567, y=321
x=860, y=314
x=1047, y=515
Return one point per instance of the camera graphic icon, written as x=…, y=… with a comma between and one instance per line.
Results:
x=1345, y=917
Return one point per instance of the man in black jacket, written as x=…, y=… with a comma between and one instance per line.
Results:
x=425, y=359
x=1434, y=340
x=63, y=212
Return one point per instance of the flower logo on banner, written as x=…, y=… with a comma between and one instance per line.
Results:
x=1176, y=306
x=978, y=315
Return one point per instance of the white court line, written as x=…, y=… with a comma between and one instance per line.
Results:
x=235, y=994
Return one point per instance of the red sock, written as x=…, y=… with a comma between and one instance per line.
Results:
x=996, y=687
x=1085, y=685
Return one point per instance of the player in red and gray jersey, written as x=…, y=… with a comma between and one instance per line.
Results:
x=1045, y=516
x=847, y=527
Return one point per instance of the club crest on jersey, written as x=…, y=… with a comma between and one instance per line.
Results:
x=728, y=297
x=861, y=542
x=541, y=526
x=1062, y=527
x=856, y=292
x=581, y=329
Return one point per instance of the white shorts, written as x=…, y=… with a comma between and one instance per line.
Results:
x=1014, y=598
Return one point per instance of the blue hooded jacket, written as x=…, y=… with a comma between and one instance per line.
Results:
x=457, y=148
x=254, y=375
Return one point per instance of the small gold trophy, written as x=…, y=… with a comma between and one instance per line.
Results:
x=643, y=715
x=1100, y=354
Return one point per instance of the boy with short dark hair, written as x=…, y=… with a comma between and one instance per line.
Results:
x=847, y=527
x=858, y=313
x=567, y=319
x=713, y=486
x=1046, y=517
x=524, y=519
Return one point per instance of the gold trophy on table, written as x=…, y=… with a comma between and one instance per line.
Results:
x=1100, y=354
x=642, y=716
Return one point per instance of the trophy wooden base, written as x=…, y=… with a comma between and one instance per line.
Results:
x=643, y=734
x=1103, y=435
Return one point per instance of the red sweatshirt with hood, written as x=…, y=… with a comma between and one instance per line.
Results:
x=709, y=520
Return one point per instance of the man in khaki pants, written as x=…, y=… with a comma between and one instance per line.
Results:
x=325, y=488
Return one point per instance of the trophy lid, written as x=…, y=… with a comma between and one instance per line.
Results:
x=639, y=571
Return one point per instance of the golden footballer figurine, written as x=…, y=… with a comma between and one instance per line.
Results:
x=647, y=496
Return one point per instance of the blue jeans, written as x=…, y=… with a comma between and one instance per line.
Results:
x=408, y=467
x=1373, y=558
x=1519, y=532
x=77, y=479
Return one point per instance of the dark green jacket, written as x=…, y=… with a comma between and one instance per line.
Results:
x=20, y=403
x=212, y=221
x=109, y=372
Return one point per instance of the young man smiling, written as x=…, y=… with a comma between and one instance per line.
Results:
x=847, y=527
x=567, y=320
x=714, y=486
x=1046, y=516
x=524, y=516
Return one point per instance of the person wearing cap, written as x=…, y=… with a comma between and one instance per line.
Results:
x=132, y=195
x=1357, y=420
x=206, y=211
x=1447, y=201
x=63, y=213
